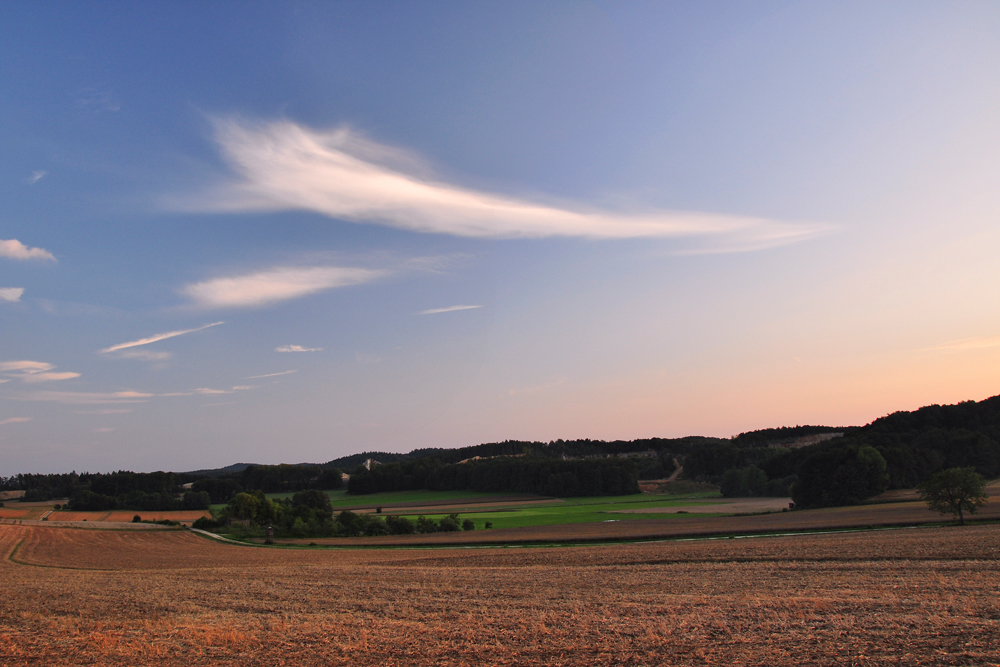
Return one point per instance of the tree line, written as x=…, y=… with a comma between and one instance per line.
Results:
x=310, y=514
x=549, y=477
x=897, y=451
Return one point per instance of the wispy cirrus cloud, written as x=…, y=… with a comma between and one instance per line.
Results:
x=297, y=348
x=15, y=420
x=156, y=338
x=85, y=398
x=277, y=284
x=37, y=176
x=32, y=372
x=968, y=344
x=269, y=375
x=14, y=249
x=11, y=294
x=449, y=309
x=285, y=166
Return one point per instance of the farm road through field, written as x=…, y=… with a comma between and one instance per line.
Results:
x=904, y=597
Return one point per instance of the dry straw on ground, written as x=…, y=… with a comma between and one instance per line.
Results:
x=903, y=597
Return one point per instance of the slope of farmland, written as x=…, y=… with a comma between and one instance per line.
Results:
x=901, y=597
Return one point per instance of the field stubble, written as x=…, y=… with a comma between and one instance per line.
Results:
x=903, y=597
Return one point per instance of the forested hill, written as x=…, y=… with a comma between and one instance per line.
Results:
x=894, y=452
x=817, y=465
x=556, y=449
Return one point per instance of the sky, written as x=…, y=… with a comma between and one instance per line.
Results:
x=292, y=231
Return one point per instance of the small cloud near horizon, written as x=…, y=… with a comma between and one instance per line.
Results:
x=15, y=420
x=449, y=309
x=14, y=249
x=297, y=348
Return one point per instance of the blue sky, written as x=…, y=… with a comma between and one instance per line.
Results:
x=284, y=232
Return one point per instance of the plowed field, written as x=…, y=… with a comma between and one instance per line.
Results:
x=926, y=596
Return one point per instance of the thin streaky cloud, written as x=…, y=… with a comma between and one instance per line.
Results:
x=11, y=294
x=48, y=377
x=273, y=285
x=37, y=176
x=269, y=375
x=144, y=355
x=15, y=420
x=297, y=348
x=14, y=249
x=25, y=366
x=32, y=371
x=156, y=337
x=449, y=309
x=85, y=398
x=969, y=344
x=284, y=166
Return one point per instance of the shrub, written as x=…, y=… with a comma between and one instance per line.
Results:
x=399, y=525
x=449, y=524
x=425, y=525
x=206, y=523
x=468, y=524
x=137, y=519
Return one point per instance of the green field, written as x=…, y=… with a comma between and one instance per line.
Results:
x=574, y=510
x=514, y=511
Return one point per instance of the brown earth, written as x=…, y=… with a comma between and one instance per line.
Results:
x=922, y=596
x=728, y=506
x=184, y=516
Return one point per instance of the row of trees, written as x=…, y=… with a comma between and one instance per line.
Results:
x=550, y=477
x=88, y=501
x=310, y=514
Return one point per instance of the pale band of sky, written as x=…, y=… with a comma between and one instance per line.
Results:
x=15, y=420
x=14, y=249
x=156, y=337
x=285, y=166
x=277, y=284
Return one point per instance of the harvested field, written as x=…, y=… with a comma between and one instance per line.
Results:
x=184, y=516
x=11, y=513
x=125, y=516
x=729, y=506
x=62, y=515
x=903, y=597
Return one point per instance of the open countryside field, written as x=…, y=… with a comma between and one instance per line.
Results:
x=917, y=596
x=47, y=513
x=647, y=516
